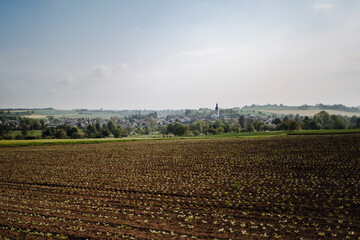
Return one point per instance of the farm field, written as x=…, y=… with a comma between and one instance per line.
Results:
x=279, y=187
x=309, y=112
x=259, y=111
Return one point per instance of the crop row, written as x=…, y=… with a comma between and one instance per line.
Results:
x=280, y=187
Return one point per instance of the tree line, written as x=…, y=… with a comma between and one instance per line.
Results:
x=321, y=120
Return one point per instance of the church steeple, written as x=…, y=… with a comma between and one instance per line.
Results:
x=217, y=110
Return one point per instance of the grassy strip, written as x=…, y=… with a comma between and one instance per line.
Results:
x=33, y=133
x=41, y=142
x=322, y=132
x=244, y=134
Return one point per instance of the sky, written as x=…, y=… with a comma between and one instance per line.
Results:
x=178, y=54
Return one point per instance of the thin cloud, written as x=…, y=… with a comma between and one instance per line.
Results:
x=108, y=72
x=208, y=5
x=123, y=66
x=200, y=52
x=212, y=6
x=101, y=68
x=323, y=7
x=355, y=58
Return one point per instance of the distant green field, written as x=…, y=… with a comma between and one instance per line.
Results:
x=245, y=134
x=103, y=114
x=57, y=113
x=259, y=111
x=39, y=142
x=33, y=133
x=73, y=114
x=321, y=132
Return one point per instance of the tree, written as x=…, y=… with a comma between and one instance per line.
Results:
x=250, y=128
x=153, y=127
x=91, y=131
x=127, y=129
x=163, y=130
x=1, y=130
x=284, y=125
x=218, y=123
x=294, y=125
x=4, y=129
x=24, y=128
x=242, y=121
x=212, y=130
x=48, y=132
x=72, y=132
x=206, y=129
x=322, y=118
x=42, y=122
x=353, y=120
x=220, y=130
x=339, y=124
x=181, y=130
x=235, y=127
x=197, y=125
x=36, y=125
x=172, y=127
x=117, y=133
x=306, y=123
x=146, y=130
x=104, y=132
x=97, y=125
x=259, y=125
x=196, y=132
x=111, y=127
x=60, y=134
x=313, y=125
x=27, y=121
x=276, y=121
x=226, y=128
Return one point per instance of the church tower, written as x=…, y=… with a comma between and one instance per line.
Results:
x=217, y=110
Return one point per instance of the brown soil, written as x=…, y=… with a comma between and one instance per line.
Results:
x=286, y=187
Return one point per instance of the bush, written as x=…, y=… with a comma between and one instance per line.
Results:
x=77, y=135
x=8, y=137
x=196, y=132
x=60, y=134
x=29, y=137
x=19, y=137
x=250, y=128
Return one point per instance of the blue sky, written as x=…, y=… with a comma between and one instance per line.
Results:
x=178, y=54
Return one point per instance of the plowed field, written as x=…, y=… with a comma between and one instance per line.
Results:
x=286, y=187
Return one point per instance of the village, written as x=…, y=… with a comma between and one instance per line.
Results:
x=189, y=123
x=210, y=122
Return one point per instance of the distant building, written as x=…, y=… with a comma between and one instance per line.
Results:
x=217, y=112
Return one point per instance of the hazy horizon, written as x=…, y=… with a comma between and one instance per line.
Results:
x=168, y=109
x=184, y=54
